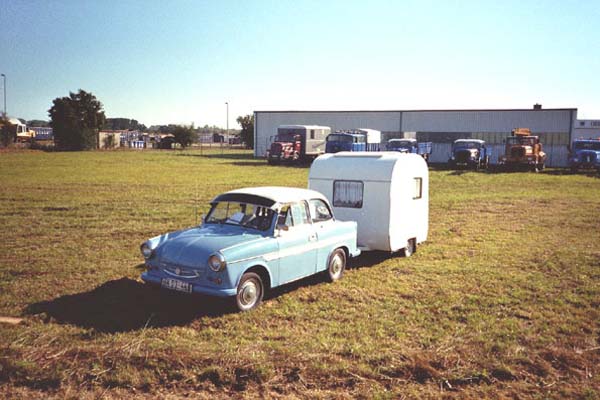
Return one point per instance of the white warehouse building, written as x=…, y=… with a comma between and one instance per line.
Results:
x=554, y=126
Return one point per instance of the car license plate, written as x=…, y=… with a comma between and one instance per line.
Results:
x=174, y=284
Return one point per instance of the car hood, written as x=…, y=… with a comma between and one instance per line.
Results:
x=582, y=153
x=192, y=247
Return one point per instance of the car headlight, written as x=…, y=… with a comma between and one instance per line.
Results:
x=575, y=159
x=146, y=250
x=217, y=262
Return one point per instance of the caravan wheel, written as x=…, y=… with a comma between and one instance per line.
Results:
x=411, y=247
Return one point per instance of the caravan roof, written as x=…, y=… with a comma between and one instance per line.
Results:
x=303, y=127
x=370, y=166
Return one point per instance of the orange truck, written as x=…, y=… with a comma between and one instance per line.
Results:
x=523, y=151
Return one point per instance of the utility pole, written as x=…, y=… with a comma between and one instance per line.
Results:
x=4, y=86
x=227, y=124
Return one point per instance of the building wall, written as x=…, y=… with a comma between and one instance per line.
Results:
x=586, y=128
x=554, y=126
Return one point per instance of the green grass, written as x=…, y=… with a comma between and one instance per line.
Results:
x=502, y=301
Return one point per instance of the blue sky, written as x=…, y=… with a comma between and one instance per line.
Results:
x=179, y=62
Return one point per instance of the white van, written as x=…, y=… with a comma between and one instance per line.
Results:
x=386, y=193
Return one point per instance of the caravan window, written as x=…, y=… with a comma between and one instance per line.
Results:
x=312, y=133
x=348, y=194
x=418, y=188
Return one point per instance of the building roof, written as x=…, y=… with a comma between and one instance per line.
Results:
x=425, y=110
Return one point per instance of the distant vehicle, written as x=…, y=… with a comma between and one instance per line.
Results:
x=523, y=151
x=18, y=131
x=353, y=140
x=297, y=143
x=584, y=154
x=252, y=240
x=410, y=146
x=387, y=194
x=470, y=153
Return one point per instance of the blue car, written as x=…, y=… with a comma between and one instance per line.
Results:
x=252, y=240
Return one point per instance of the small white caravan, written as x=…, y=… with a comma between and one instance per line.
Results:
x=386, y=193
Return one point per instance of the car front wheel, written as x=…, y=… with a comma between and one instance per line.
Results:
x=250, y=292
x=336, y=266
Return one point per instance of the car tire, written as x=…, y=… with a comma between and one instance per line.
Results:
x=250, y=292
x=411, y=247
x=336, y=265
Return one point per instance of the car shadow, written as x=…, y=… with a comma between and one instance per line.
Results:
x=125, y=304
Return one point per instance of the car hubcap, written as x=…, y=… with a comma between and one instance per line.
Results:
x=336, y=265
x=249, y=293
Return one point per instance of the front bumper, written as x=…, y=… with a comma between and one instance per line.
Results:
x=156, y=277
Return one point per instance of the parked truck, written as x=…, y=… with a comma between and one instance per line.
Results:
x=584, y=154
x=297, y=143
x=353, y=140
x=523, y=151
x=16, y=131
x=470, y=153
x=410, y=146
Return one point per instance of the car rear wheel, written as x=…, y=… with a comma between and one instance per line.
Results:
x=250, y=292
x=336, y=266
x=411, y=247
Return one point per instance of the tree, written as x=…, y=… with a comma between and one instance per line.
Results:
x=247, y=133
x=7, y=136
x=184, y=135
x=75, y=121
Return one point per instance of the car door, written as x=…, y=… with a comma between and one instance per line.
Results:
x=324, y=228
x=297, y=243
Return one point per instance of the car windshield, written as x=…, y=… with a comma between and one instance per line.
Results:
x=526, y=141
x=240, y=214
x=467, y=145
x=587, y=145
x=339, y=138
x=396, y=144
x=285, y=137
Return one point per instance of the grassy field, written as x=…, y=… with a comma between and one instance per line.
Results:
x=502, y=301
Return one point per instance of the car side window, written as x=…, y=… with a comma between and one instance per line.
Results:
x=319, y=211
x=299, y=213
x=285, y=216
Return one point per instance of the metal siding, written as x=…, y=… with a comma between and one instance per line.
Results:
x=486, y=121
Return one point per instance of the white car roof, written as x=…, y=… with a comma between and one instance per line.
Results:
x=402, y=140
x=279, y=194
x=469, y=141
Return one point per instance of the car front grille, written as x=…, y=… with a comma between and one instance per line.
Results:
x=517, y=152
x=463, y=156
x=181, y=272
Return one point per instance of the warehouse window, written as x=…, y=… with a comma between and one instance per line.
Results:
x=418, y=188
x=581, y=123
x=348, y=194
